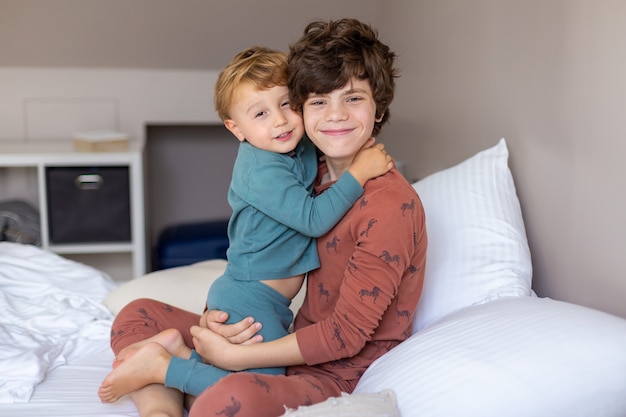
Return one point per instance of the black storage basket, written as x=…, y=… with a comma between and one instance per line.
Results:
x=88, y=204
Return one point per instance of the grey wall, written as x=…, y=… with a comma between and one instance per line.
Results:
x=549, y=77
x=188, y=170
x=168, y=34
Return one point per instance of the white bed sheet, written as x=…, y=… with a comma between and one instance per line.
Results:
x=71, y=390
x=54, y=336
x=51, y=308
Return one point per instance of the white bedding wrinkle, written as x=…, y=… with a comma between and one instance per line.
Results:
x=50, y=307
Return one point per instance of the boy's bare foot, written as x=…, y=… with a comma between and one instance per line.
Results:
x=147, y=365
x=170, y=339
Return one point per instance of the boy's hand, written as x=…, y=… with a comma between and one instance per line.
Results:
x=243, y=332
x=370, y=162
x=214, y=349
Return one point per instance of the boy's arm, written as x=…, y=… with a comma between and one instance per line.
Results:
x=285, y=199
x=218, y=351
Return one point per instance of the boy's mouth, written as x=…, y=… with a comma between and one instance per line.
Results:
x=337, y=132
x=284, y=136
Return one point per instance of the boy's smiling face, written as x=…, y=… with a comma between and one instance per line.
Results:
x=340, y=122
x=265, y=119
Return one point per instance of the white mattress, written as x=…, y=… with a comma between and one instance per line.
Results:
x=71, y=390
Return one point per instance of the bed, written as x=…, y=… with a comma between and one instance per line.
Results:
x=483, y=345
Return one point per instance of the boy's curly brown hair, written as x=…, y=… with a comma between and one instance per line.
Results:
x=330, y=53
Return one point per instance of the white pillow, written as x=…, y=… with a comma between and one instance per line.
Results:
x=477, y=247
x=185, y=287
x=378, y=404
x=514, y=357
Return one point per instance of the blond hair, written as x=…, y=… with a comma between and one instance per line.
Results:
x=258, y=66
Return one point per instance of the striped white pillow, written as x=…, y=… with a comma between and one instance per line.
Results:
x=513, y=357
x=477, y=246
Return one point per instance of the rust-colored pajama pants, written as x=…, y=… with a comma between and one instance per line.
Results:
x=240, y=394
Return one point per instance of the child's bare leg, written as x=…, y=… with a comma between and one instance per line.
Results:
x=170, y=339
x=148, y=365
x=158, y=401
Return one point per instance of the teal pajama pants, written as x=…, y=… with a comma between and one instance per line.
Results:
x=240, y=299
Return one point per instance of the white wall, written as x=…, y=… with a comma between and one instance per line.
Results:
x=549, y=77
x=125, y=99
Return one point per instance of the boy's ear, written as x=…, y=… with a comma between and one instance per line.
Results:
x=380, y=118
x=234, y=129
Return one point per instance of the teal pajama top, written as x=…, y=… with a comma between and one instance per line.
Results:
x=276, y=218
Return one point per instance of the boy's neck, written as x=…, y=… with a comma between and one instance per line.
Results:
x=336, y=168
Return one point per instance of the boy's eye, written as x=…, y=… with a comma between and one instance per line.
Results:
x=259, y=114
x=284, y=103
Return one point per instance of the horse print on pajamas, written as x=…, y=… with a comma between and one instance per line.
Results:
x=374, y=293
x=322, y=291
x=231, y=410
x=370, y=224
x=388, y=258
x=261, y=383
x=408, y=206
x=332, y=244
